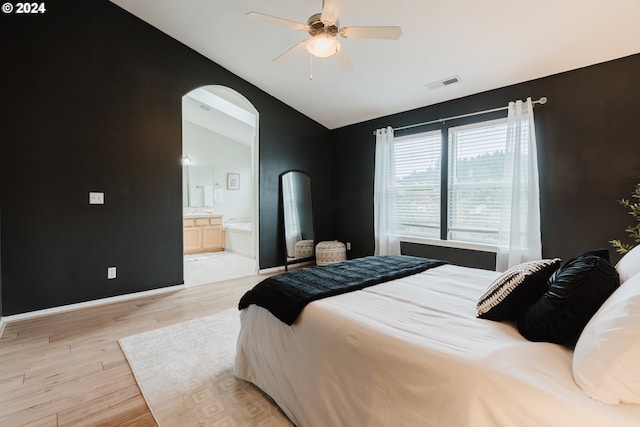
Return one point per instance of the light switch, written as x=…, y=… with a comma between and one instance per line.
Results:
x=111, y=273
x=96, y=198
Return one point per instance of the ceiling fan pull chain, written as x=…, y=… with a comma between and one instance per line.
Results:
x=310, y=67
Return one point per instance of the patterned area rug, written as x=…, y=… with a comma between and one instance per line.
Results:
x=185, y=372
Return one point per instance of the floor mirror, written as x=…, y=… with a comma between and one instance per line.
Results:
x=295, y=197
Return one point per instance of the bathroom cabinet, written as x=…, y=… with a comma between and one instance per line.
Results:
x=203, y=234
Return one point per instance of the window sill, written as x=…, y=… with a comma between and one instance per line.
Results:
x=483, y=247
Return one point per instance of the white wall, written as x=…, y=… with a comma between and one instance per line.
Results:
x=223, y=155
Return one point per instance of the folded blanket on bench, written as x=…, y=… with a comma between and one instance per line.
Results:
x=286, y=294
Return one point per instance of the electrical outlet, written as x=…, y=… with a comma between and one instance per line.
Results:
x=348, y=246
x=111, y=273
x=96, y=198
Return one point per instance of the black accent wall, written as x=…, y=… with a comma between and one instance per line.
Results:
x=588, y=152
x=0, y=265
x=92, y=102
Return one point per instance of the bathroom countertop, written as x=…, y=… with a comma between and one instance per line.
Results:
x=202, y=215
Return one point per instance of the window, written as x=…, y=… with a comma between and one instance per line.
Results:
x=476, y=181
x=475, y=185
x=473, y=161
x=418, y=161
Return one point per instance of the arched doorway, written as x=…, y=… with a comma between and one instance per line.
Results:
x=220, y=185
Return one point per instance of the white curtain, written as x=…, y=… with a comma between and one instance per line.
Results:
x=519, y=231
x=384, y=196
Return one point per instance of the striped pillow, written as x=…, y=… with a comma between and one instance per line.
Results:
x=516, y=289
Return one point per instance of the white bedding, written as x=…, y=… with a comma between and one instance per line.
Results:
x=411, y=352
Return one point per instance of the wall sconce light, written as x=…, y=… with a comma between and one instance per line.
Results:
x=186, y=160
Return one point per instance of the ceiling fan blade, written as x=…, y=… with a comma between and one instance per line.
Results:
x=392, y=33
x=343, y=61
x=262, y=17
x=330, y=11
x=289, y=53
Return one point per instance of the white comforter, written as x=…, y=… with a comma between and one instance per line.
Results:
x=411, y=352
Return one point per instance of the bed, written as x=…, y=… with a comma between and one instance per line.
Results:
x=412, y=352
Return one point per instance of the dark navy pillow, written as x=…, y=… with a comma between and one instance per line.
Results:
x=575, y=293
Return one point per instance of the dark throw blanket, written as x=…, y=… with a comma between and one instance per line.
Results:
x=286, y=294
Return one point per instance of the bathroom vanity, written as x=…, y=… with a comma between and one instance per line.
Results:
x=203, y=233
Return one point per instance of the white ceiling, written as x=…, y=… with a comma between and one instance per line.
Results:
x=222, y=111
x=488, y=44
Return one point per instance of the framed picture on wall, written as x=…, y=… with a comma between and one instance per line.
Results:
x=233, y=181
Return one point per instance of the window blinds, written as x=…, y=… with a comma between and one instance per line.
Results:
x=417, y=184
x=476, y=181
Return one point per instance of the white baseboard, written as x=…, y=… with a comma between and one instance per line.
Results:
x=88, y=304
x=270, y=270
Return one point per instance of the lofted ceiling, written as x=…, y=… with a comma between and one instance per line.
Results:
x=222, y=111
x=486, y=44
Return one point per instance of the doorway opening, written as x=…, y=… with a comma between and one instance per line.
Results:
x=219, y=185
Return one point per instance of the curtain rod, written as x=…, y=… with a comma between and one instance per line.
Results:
x=542, y=100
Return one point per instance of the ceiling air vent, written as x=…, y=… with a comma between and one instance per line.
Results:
x=444, y=82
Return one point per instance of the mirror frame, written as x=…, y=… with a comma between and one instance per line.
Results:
x=287, y=260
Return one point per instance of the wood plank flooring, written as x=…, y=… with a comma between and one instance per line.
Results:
x=67, y=369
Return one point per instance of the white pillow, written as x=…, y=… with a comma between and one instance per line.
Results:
x=606, y=357
x=629, y=264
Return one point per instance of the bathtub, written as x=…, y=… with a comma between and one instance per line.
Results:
x=239, y=226
x=239, y=238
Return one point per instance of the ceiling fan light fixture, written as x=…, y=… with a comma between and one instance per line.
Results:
x=323, y=45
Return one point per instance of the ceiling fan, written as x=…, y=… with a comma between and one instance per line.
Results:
x=324, y=29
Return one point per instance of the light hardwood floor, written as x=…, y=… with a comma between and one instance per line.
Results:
x=68, y=369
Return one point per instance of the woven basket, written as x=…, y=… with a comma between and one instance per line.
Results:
x=330, y=252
